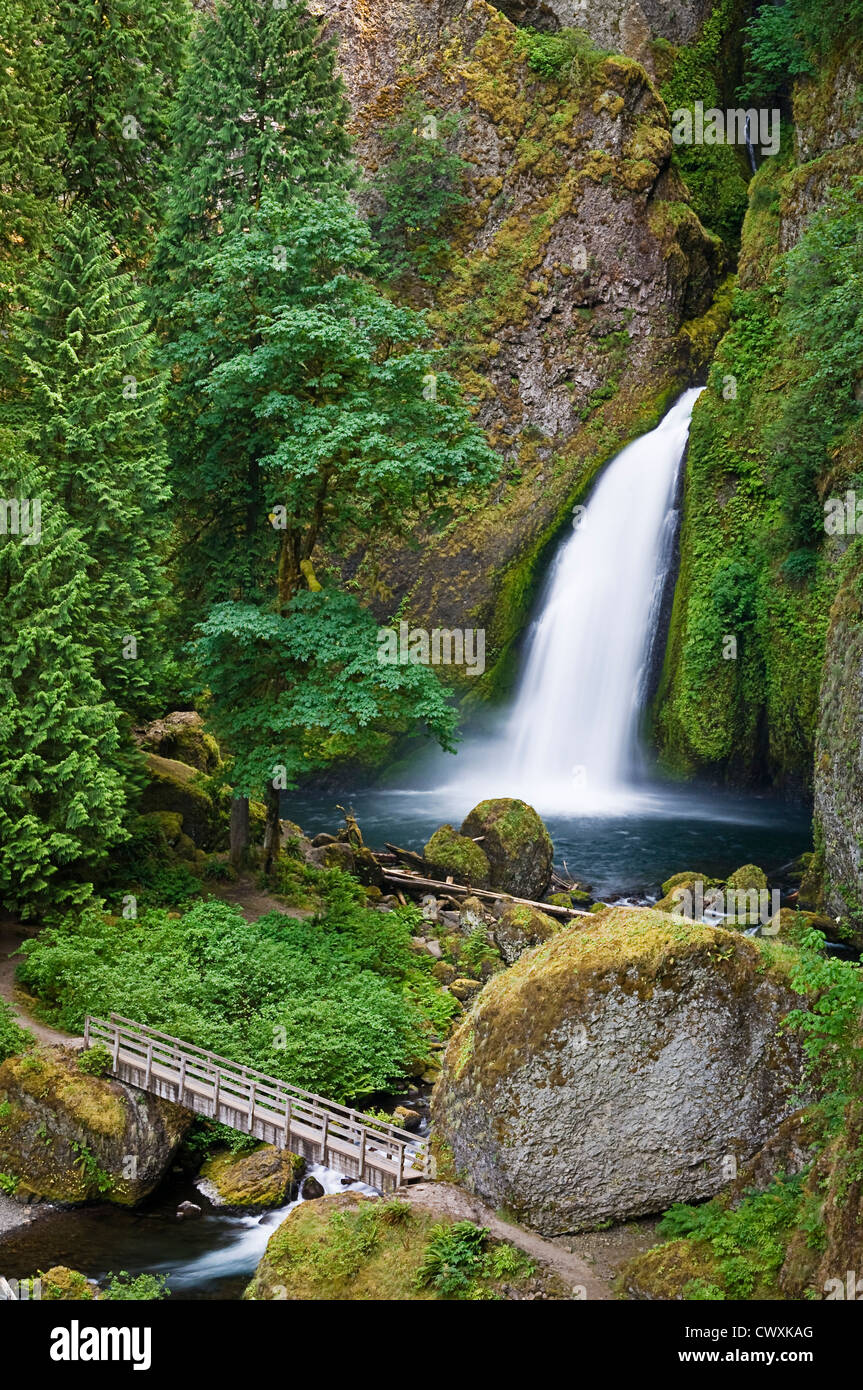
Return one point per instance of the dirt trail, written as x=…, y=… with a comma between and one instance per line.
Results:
x=450, y=1200
x=254, y=902
x=12, y=934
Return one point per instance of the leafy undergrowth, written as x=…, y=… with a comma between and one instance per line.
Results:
x=347, y=1247
x=338, y=1003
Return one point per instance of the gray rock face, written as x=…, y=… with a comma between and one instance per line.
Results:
x=616, y=1070
x=839, y=751
x=619, y=25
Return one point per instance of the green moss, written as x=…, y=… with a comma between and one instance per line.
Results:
x=266, y=1177
x=635, y=950
x=348, y=1247
x=61, y=1284
x=456, y=856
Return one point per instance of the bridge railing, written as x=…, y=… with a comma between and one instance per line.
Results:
x=210, y=1084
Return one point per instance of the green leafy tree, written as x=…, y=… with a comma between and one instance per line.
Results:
x=117, y=64
x=29, y=142
x=61, y=784
x=320, y=419
x=91, y=401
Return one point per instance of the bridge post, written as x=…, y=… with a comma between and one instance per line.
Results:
x=401, y=1164
x=149, y=1072
x=362, y=1173
x=216, y=1092
x=87, y=1032
x=116, y=1028
x=182, y=1079
x=252, y=1109
x=324, y=1138
x=287, y=1122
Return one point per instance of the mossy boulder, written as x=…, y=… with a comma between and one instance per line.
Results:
x=75, y=1138
x=177, y=787
x=684, y=879
x=613, y=1068
x=181, y=736
x=747, y=877
x=516, y=844
x=451, y=855
x=519, y=928
x=266, y=1177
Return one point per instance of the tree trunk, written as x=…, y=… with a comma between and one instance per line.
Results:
x=273, y=836
x=239, y=831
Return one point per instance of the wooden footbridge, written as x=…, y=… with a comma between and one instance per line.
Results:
x=354, y=1144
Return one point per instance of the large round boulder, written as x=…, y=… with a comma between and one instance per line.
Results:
x=516, y=844
x=616, y=1069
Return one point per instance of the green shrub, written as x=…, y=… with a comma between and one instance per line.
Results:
x=122, y=1288
x=13, y=1038
x=96, y=1061
x=338, y=1003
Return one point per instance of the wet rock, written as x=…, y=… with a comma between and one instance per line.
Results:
x=408, y=1119
x=516, y=843
x=312, y=1190
x=611, y=1072
x=265, y=1177
x=188, y=1211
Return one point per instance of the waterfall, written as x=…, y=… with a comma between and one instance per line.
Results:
x=569, y=743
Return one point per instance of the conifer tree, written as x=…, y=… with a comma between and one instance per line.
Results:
x=260, y=106
x=61, y=775
x=91, y=403
x=29, y=143
x=118, y=63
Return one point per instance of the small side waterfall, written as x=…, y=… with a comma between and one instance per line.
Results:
x=569, y=743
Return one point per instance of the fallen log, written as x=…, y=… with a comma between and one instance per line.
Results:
x=407, y=856
x=406, y=879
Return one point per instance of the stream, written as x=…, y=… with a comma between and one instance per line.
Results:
x=210, y=1257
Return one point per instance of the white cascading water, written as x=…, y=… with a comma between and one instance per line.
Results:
x=569, y=744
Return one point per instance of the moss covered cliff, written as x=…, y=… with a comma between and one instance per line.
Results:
x=776, y=435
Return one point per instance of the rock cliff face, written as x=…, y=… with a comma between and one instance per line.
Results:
x=625, y=26
x=839, y=752
x=616, y=1070
x=576, y=295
